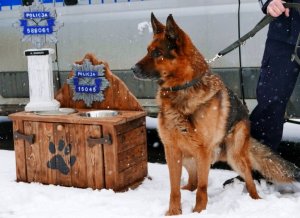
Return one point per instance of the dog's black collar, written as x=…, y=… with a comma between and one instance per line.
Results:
x=181, y=87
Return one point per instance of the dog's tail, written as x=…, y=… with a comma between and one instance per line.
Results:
x=272, y=166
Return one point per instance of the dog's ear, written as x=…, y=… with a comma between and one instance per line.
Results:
x=157, y=26
x=173, y=32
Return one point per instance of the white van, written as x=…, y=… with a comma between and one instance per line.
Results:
x=120, y=32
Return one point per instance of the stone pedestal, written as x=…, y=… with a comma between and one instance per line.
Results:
x=41, y=92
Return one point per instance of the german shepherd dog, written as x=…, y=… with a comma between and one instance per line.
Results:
x=200, y=120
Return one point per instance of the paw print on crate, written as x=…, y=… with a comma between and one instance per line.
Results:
x=57, y=162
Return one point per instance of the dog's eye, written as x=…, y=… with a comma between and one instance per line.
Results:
x=156, y=53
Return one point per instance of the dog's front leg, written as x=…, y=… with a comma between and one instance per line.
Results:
x=203, y=166
x=174, y=161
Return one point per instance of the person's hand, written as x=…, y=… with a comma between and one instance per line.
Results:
x=276, y=8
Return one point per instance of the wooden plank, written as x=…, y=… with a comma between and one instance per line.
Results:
x=44, y=138
x=110, y=94
x=133, y=162
x=116, y=93
x=128, y=126
x=33, y=160
x=130, y=115
x=49, y=133
x=131, y=138
x=131, y=176
x=20, y=155
x=94, y=158
x=76, y=119
x=131, y=157
x=78, y=142
x=110, y=158
x=62, y=154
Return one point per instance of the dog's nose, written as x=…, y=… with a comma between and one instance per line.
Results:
x=136, y=69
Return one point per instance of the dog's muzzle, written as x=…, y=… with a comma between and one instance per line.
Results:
x=136, y=70
x=138, y=73
x=141, y=74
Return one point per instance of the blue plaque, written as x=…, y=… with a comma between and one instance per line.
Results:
x=38, y=24
x=88, y=82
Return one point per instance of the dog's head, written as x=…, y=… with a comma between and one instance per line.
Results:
x=172, y=59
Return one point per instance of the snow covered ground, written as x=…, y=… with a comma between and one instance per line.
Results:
x=22, y=200
x=150, y=199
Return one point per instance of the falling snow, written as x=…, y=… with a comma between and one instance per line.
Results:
x=150, y=199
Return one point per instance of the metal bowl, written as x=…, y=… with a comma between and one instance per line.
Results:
x=99, y=113
x=60, y=111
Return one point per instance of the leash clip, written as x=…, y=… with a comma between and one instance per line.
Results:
x=213, y=59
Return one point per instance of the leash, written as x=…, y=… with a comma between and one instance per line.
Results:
x=241, y=78
x=261, y=24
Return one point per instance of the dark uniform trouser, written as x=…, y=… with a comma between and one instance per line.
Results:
x=278, y=76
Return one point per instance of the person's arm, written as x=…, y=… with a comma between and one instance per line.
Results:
x=273, y=7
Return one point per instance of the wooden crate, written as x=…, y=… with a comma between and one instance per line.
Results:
x=71, y=150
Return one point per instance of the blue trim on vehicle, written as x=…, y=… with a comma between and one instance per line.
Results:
x=11, y=3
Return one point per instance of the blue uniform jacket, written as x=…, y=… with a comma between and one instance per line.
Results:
x=284, y=28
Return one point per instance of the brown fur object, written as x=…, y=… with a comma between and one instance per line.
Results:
x=117, y=95
x=200, y=120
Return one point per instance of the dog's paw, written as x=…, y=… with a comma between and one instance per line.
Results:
x=200, y=205
x=189, y=187
x=173, y=212
x=255, y=196
x=198, y=209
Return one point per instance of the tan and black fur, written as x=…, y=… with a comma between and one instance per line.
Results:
x=200, y=120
